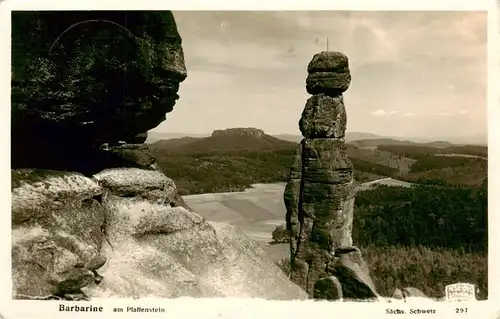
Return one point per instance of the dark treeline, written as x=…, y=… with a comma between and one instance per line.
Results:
x=424, y=236
x=433, y=216
x=225, y=171
x=417, y=152
x=428, y=269
x=427, y=163
x=235, y=170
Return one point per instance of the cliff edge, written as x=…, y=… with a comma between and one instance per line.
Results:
x=91, y=215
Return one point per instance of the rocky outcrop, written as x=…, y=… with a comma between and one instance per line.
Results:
x=119, y=234
x=91, y=215
x=319, y=196
x=130, y=155
x=56, y=233
x=83, y=79
x=408, y=292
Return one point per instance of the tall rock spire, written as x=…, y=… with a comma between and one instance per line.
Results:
x=319, y=196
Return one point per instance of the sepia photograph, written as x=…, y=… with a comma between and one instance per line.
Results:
x=283, y=155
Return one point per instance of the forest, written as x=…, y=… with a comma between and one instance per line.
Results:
x=423, y=236
x=213, y=171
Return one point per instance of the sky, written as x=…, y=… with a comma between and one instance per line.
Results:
x=413, y=73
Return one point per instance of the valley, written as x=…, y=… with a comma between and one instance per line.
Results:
x=233, y=162
x=415, y=201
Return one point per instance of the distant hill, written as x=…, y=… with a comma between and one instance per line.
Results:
x=225, y=140
x=175, y=143
x=289, y=137
x=233, y=159
x=375, y=156
x=154, y=136
x=350, y=136
x=375, y=142
x=417, y=151
x=353, y=136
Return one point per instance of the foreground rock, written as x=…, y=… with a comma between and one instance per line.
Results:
x=409, y=292
x=56, y=233
x=78, y=238
x=91, y=215
x=70, y=97
x=319, y=196
x=352, y=272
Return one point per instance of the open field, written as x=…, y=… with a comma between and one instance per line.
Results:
x=256, y=211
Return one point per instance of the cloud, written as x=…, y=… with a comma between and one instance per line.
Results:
x=409, y=114
x=232, y=55
x=249, y=66
x=461, y=112
x=379, y=113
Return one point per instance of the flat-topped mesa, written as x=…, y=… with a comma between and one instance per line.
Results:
x=250, y=131
x=328, y=74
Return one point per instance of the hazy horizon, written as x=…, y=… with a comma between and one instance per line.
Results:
x=413, y=73
x=477, y=139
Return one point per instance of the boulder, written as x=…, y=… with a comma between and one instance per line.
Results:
x=121, y=223
x=132, y=182
x=323, y=116
x=328, y=73
x=57, y=235
x=329, y=83
x=397, y=294
x=329, y=61
x=328, y=288
x=169, y=252
x=412, y=292
x=131, y=155
x=84, y=78
x=353, y=274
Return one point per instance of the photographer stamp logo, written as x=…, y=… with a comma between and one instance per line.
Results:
x=460, y=292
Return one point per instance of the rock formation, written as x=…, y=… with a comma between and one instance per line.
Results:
x=62, y=113
x=408, y=292
x=117, y=234
x=319, y=196
x=91, y=215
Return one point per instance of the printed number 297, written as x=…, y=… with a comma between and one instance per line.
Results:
x=460, y=310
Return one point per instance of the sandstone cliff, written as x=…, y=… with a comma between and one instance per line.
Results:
x=82, y=79
x=91, y=216
x=319, y=196
x=120, y=234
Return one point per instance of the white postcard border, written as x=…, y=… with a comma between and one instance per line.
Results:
x=255, y=308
